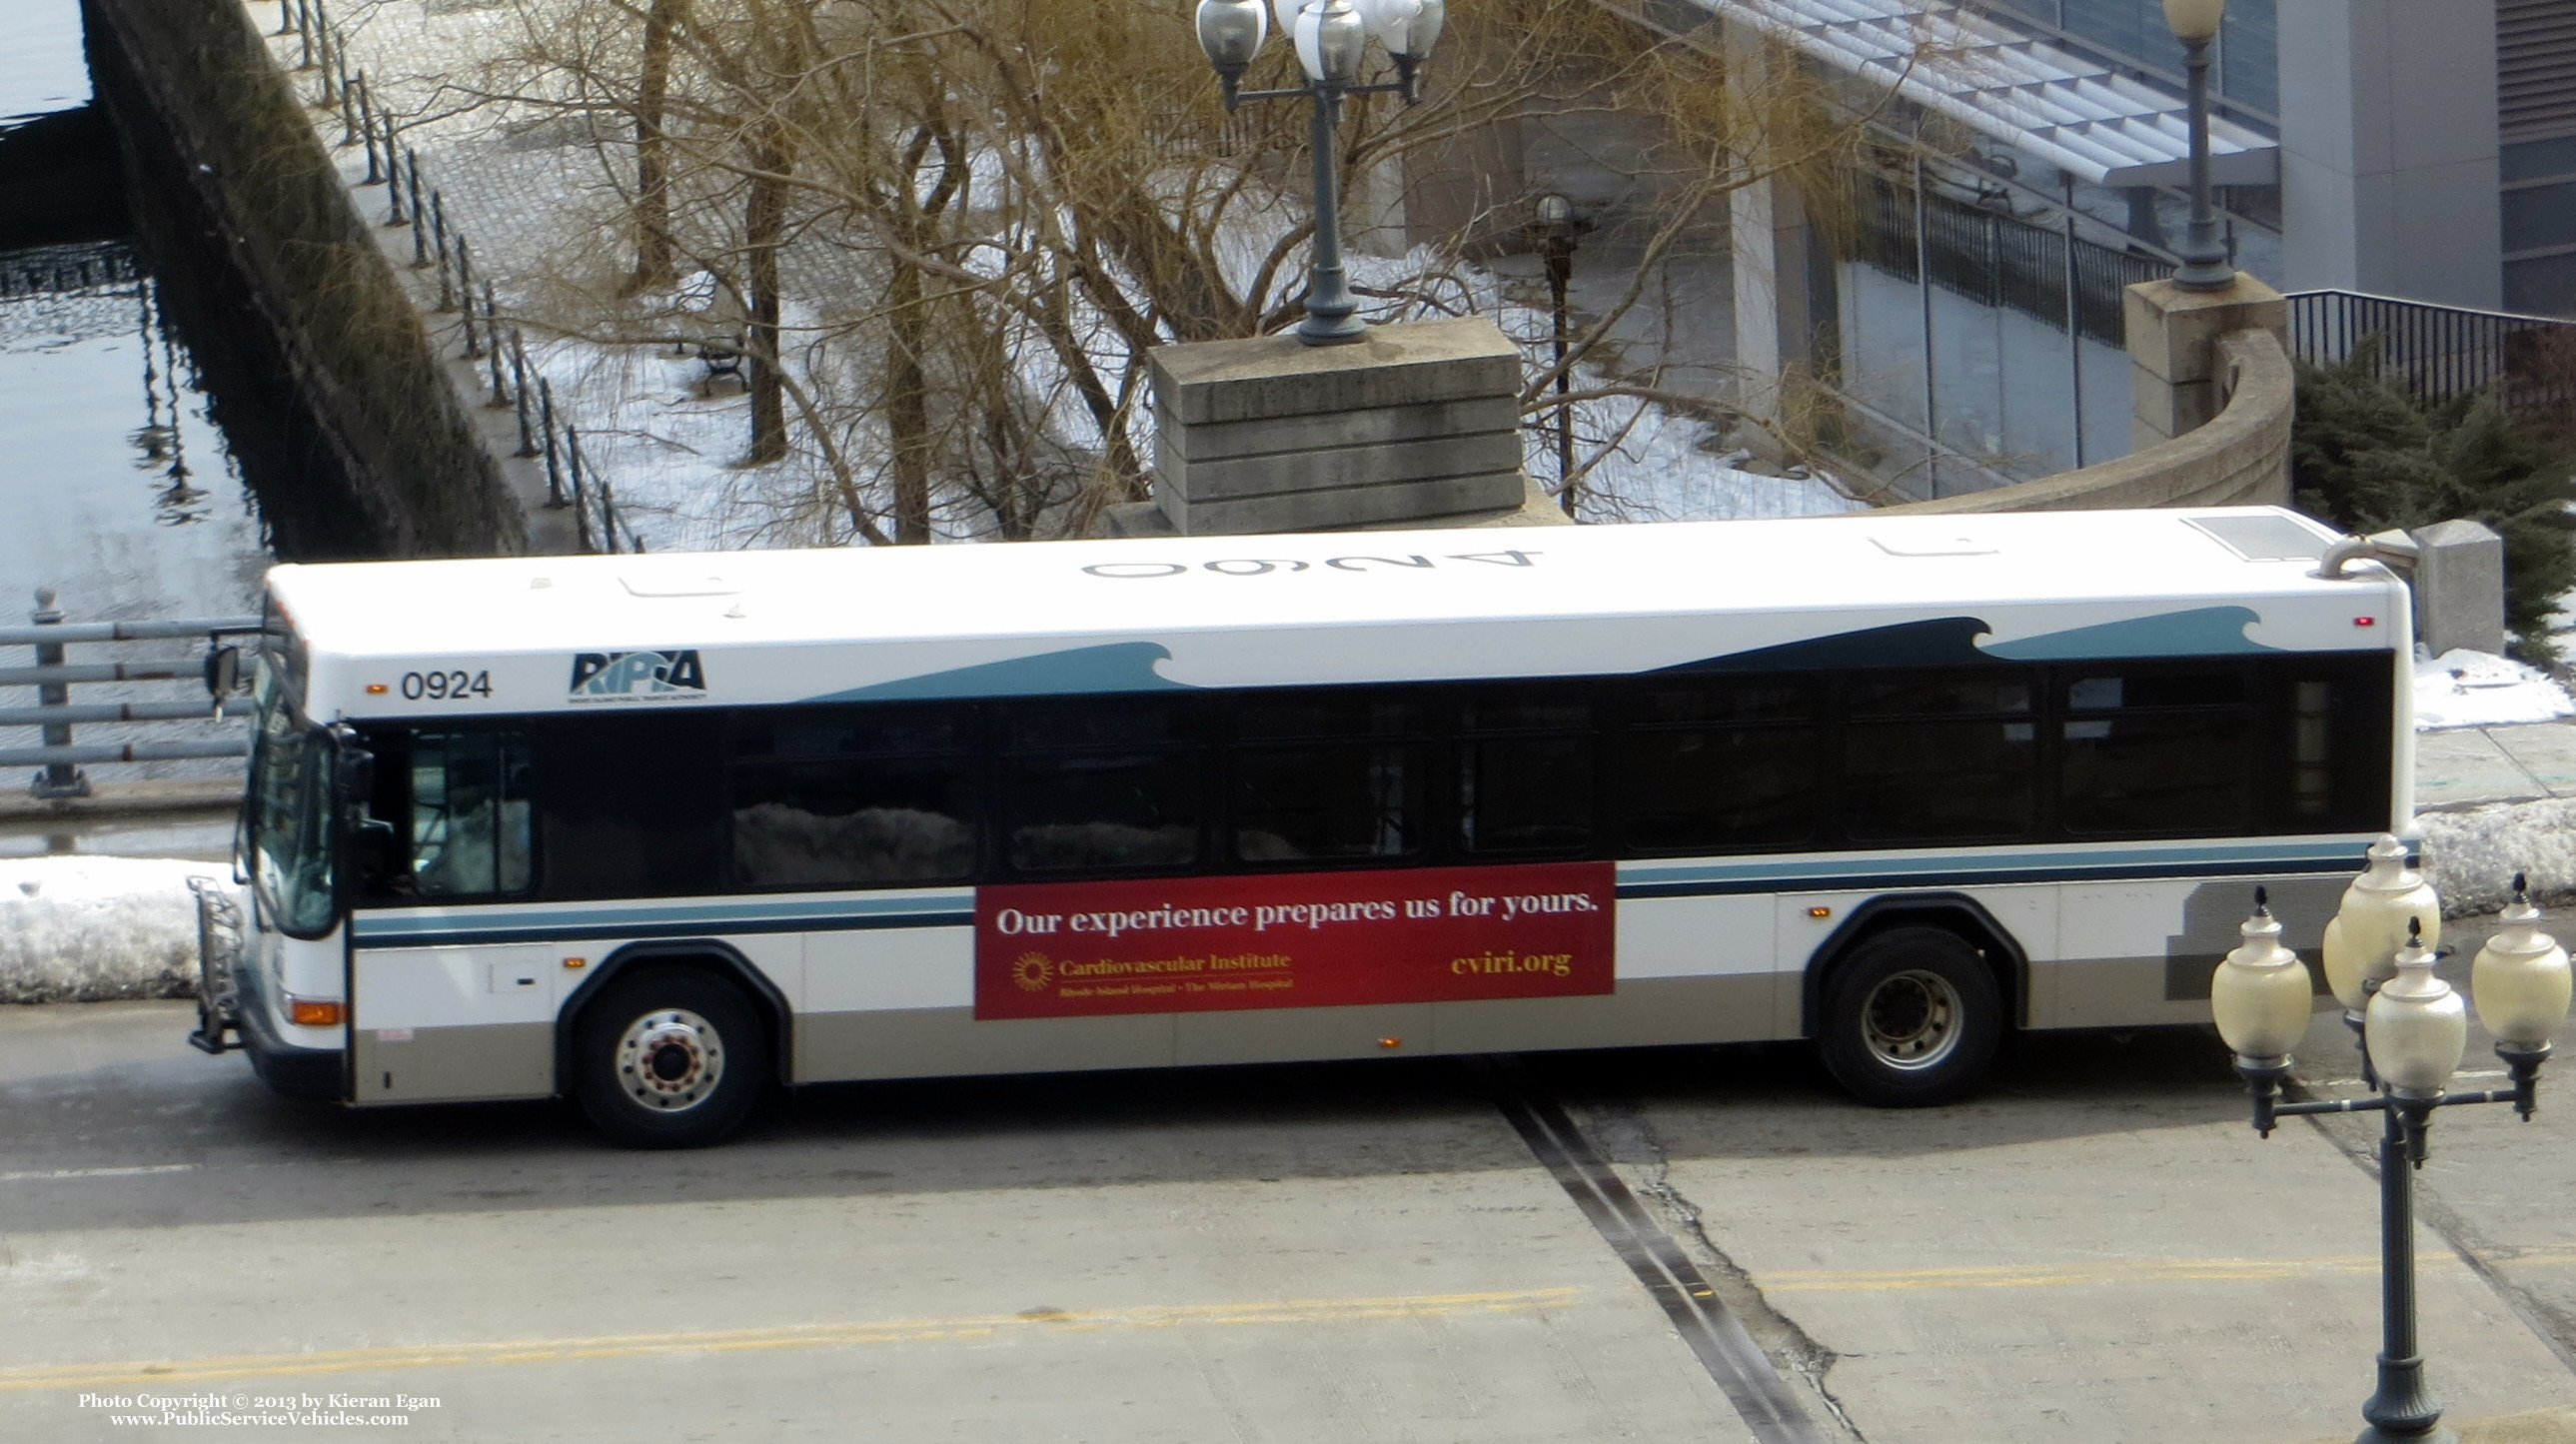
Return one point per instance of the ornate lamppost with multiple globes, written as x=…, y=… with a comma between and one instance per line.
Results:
x=2413, y=1029
x=1331, y=39
x=2204, y=256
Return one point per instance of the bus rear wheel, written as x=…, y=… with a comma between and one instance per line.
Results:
x=668, y=1058
x=1912, y=1017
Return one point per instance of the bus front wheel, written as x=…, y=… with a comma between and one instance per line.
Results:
x=668, y=1058
x=1911, y=1018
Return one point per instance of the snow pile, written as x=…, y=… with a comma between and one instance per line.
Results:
x=82, y=929
x=2461, y=688
x=2470, y=857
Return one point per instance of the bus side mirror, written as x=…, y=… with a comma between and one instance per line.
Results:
x=353, y=775
x=223, y=673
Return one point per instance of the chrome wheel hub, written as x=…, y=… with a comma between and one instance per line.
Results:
x=670, y=1060
x=1910, y=1020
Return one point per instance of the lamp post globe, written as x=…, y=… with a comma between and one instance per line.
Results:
x=2417, y=1027
x=2260, y=993
x=1330, y=40
x=2519, y=982
x=1423, y=31
x=2195, y=21
x=2371, y=923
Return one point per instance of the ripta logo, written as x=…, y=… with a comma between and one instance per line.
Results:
x=624, y=676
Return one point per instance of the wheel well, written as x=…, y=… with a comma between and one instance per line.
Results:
x=1952, y=912
x=705, y=955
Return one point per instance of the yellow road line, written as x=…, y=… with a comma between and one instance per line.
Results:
x=2094, y=1272
x=801, y=1336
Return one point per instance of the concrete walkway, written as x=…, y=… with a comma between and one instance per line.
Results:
x=2468, y=766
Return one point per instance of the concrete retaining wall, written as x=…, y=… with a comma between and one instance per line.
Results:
x=2240, y=457
x=262, y=198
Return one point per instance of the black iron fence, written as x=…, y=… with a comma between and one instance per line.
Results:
x=1997, y=259
x=2440, y=353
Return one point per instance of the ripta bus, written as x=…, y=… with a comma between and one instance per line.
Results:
x=657, y=832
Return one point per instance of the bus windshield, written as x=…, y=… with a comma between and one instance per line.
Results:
x=291, y=850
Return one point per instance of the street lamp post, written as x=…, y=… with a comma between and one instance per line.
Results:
x=2204, y=256
x=1331, y=39
x=2413, y=1032
x=1555, y=224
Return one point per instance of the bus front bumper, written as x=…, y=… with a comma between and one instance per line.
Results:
x=290, y=1068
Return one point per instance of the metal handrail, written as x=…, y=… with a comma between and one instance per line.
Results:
x=60, y=758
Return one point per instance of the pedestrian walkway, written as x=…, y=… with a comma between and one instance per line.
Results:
x=2469, y=766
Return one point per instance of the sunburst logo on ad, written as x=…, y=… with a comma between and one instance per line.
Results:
x=1033, y=972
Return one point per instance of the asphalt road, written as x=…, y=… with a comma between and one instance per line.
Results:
x=2096, y=1249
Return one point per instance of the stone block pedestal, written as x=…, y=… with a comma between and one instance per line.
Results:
x=1418, y=424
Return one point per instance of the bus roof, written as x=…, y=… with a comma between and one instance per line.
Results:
x=1122, y=615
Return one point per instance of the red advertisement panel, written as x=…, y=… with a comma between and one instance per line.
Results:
x=1293, y=940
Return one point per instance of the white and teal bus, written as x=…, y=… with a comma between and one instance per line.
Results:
x=657, y=832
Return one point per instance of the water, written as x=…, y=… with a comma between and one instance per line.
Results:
x=116, y=488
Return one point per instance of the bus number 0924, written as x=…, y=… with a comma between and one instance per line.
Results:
x=445, y=686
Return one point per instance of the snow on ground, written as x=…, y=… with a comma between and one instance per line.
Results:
x=2461, y=688
x=84, y=929
x=2470, y=856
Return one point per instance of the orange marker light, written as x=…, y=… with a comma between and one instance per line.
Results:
x=1820, y=912
x=314, y=1012
x=576, y=962
x=375, y=689
x=1390, y=1042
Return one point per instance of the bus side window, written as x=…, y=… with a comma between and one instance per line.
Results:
x=1102, y=785
x=1525, y=782
x=469, y=831
x=1340, y=778
x=851, y=797
x=2156, y=750
x=1719, y=766
x=1939, y=757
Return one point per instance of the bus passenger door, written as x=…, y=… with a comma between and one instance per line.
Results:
x=453, y=1023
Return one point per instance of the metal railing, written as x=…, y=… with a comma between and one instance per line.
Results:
x=2437, y=353
x=59, y=760
x=464, y=288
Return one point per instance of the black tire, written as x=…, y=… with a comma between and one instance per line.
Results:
x=669, y=1057
x=1912, y=1017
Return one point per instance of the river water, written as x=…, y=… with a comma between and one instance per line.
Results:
x=116, y=487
